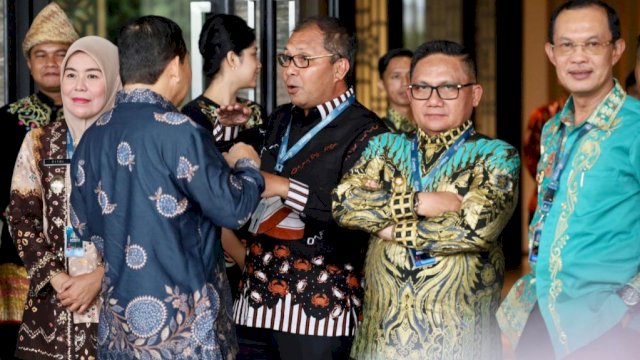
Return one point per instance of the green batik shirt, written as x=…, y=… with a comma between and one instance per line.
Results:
x=590, y=240
x=444, y=311
x=398, y=123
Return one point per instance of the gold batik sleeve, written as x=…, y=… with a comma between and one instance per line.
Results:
x=486, y=208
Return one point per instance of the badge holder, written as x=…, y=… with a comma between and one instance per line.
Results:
x=421, y=258
x=72, y=244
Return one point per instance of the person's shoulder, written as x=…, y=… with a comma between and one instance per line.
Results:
x=23, y=103
x=488, y=145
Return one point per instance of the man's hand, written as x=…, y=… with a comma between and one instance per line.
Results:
x=386, y=233
x=79, y=292
x=240, y=151
x=275, y=185
x=436, y=203
x=232, y=115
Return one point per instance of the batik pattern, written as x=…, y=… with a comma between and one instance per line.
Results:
x=444, y=311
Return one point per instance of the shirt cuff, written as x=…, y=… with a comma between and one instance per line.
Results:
x=401, y=204
x=297, y=196
x=224, y=133
x=406, y=233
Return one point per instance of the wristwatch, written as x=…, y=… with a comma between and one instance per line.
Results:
x=629, y=295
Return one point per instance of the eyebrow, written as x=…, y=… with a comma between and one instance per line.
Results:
x=87, y=70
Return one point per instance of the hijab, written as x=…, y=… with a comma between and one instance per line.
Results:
x=105, y=54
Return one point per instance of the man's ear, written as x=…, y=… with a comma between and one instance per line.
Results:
x=381, y=86
x=477, y=91
x=174, y=69
x=341, y=68
x=548, y=48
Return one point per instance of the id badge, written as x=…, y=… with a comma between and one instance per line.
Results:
x=421, y=258
x=72, y=243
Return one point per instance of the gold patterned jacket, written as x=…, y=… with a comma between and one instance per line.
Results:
x=447, y=310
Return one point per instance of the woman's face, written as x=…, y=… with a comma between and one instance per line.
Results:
x=83, y=86
x=249, y=67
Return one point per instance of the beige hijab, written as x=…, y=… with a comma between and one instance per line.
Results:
x=105, y=54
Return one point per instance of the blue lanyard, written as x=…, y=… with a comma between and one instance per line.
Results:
x=285, y=154
x=69, y=145
x=418, y=184
x=560, y=163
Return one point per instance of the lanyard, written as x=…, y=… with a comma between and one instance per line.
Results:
x=560, y=163
x=69, y=145
x=553, y=185
x=420, y=185
x=285, y=154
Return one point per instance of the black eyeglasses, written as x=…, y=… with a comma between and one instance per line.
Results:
x=300, y=61
x=445, y=92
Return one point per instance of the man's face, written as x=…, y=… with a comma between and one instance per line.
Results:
x=44, y=63
x=584, y=75
x=311, y=86
x=435, y=115
x=395, y=81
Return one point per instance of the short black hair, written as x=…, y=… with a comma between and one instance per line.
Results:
x=386, y=58
x=612, y=16
x=220, y=34
x=449, y=48
x=146, y=45
x=338, y=39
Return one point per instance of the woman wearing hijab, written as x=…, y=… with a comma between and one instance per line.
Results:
x=61, y=313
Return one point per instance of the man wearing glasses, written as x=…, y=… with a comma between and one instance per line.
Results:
x=580, y=300
x=435, y=203
x=301, y=288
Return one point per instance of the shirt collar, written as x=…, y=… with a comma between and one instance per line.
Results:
x=446, y=138
x=47, y=100
x=144, y=96
x=326, y=108
x=602, y=117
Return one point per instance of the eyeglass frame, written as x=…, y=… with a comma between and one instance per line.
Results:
x=570, y=46
x=457, y=86
x=307, y=58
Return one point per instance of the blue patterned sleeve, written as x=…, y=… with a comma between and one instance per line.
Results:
x=226, y=196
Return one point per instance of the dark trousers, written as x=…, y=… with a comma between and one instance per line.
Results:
x=618, y=343
x=287, y=346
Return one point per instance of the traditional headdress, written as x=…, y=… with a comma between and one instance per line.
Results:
x=50, y=25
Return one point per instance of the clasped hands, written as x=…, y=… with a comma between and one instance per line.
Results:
x=77, y=293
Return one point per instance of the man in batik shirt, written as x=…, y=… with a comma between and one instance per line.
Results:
x=580, y=300
x=435, y=204
x=44, y=47
x=151, y=191
x=393, y=69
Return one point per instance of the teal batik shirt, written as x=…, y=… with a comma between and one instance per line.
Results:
x=590, y=240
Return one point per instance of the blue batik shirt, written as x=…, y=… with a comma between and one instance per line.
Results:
x=151, y=192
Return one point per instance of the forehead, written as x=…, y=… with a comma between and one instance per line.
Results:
x=81, y=60
x=305, y=39
x=50, y=47
x=438, y=69
x=582, y=23
x=399, y=63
